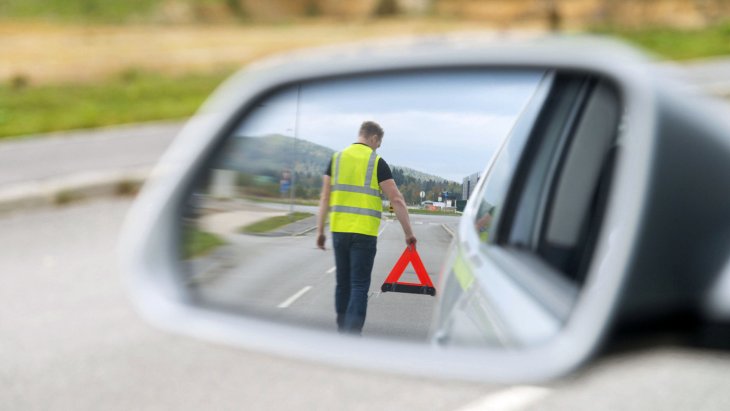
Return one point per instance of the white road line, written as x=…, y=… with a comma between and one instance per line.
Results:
x=515, y=398
x=331, y=270
x=294, y=297
x=448, y=230
x=384, y=227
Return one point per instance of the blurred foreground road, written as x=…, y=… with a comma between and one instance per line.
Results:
x=61, y=154
x=69, y=340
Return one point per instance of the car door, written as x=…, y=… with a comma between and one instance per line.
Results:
x=528, y=232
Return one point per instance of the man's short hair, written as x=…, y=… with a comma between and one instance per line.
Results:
x=369, y=128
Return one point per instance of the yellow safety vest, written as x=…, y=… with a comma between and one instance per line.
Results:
x=355, y=203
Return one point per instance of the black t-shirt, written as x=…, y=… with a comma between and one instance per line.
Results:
x=384, y=172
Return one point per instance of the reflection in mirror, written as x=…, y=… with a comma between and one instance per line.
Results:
x=250, y=226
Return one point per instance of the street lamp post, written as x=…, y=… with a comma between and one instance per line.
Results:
x=294, y=162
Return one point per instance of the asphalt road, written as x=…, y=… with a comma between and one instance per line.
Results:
x=67, y=153
x=711, y=75
x=289, y=279
x=70, y=340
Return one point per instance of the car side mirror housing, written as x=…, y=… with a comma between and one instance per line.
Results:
x=563, y=235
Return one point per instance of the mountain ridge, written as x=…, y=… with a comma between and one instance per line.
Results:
x=272, y=153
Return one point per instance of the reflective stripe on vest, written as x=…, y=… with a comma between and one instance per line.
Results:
x=356, y=210
x=355, y=203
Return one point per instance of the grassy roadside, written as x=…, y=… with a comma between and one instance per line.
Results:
x=675, y=44
x=271, y=224
x=98, y=10
x=197, y=243
x=129, y=98
x=428, y=212
x=297, y=201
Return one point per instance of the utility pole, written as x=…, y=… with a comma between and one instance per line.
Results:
x=294, y=160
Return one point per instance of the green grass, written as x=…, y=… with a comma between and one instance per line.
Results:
x=279, y=200
x=197, y=243
x=421, y=211
x=113, y=11
x=128, y=98
x=271, y=224
x=678, y=44
x=101, y=10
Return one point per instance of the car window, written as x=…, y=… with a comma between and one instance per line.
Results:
x=531, y=183
x=573, y=215
x=559, y=187
x=498, y=177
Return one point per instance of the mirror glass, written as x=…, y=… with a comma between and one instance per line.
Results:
x=249, y=227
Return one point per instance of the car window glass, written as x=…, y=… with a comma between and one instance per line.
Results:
x=570, y=223
x=541, y=160
x=499, y=176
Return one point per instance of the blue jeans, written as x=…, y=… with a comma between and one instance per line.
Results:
x=354, y=256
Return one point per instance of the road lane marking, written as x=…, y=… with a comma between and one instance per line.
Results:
x=384, y=227
x=331, y=270
x=515, y=398
x=448, y=230
x=294, y=297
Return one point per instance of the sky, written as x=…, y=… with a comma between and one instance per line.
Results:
x=447, y=123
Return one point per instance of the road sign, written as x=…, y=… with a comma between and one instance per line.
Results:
x=284, y=186
x=410, y=255
x=422, y=194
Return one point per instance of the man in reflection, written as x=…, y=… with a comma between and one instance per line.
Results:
x=351, y=190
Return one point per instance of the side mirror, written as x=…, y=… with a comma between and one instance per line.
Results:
x=534, y=172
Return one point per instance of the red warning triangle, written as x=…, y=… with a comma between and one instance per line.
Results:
x=410, y=255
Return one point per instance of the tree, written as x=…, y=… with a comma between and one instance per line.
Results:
x=554, y=18
x=237, y=8
x=386, y=8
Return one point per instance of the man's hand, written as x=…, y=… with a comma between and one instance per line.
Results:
x=320, y=241
x=411, y=240
x=401, y=211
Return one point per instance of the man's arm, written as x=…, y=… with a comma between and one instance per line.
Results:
x=399, y=206
x=324, y=207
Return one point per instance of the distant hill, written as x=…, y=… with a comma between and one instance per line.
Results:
x=269, y=155
x=421, y=176
x=262, y=160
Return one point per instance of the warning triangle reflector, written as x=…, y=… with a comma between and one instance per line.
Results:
x=410, y=255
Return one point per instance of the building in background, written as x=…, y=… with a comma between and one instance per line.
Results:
x=467, y=186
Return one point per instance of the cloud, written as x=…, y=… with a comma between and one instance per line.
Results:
x=448, y=124
x=447, y=144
